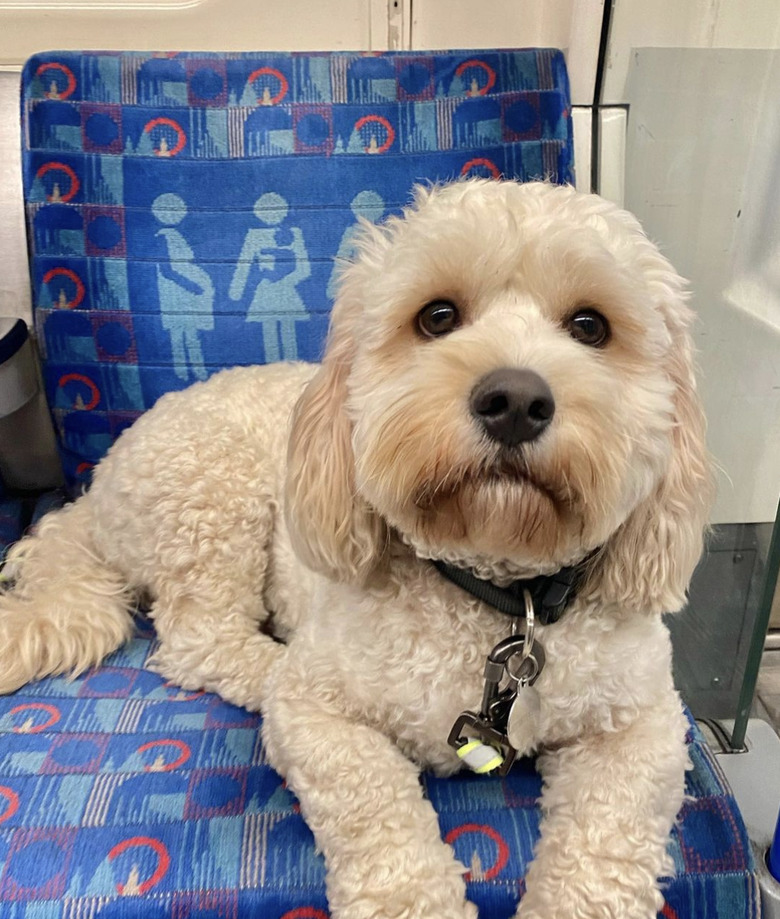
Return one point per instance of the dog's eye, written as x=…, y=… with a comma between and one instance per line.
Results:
x=439, y=317
x=589, y=327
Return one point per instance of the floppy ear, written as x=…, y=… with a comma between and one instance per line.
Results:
x=333, y=530
x=649, y=561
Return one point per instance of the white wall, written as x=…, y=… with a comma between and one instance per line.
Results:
x=684, y=24
x=14, y=276
x=27, y=26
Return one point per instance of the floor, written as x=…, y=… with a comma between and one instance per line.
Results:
x=716, y=725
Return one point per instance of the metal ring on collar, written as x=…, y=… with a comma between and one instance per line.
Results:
x=530, y=624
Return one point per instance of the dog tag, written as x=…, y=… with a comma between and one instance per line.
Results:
x=483, y=740
x=523, y=723
x=523, y=669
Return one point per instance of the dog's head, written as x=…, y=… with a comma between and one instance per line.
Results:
x=507, y=385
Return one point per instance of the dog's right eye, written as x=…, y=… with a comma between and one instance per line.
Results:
x=439, y=317
x=589, y=327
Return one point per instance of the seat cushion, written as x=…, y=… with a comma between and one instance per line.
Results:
x=121, y=796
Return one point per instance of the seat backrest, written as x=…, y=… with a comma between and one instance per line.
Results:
x=185, y=210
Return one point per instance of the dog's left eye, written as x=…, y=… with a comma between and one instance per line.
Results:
x=439, y=317
x=589, y=327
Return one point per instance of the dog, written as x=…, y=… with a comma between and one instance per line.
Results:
x=506, y=394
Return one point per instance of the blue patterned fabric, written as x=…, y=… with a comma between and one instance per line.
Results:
x=185, y=210
x=121, y=796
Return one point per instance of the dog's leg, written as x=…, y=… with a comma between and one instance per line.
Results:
x=610, y=801
x=68, y=608
x=208, y=612
x=207, y=645
x=363, y=801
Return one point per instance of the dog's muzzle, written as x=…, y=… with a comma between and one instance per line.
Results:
x=513, y=406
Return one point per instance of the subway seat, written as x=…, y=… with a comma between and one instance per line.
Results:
x=184, y=212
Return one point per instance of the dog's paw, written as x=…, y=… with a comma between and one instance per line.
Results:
x=12, y=678
x=19, y=657
x=388, y=909
x=432, y=898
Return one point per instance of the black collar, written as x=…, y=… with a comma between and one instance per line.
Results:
x=551, y=594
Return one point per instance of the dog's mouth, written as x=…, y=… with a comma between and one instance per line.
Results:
x=503, y=510
x=505, y=470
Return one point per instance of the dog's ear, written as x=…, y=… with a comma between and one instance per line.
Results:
x=648, y=563
x=333, y=530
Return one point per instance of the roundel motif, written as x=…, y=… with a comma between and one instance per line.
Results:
x=181, y=695
x=71, y=287
x=376, y=133
x=78, y=402
x=478, y=872
x=134, y=884
x=33, y=724
x=481, y=166
x=170, y=754
x=61, y=80
x=271, y=84
x=56, y=195
x=479, y=76
x=167, y=135
x=9, y=803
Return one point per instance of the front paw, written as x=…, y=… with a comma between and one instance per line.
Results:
x=604, y=890
x=398, y=907
x=390, y=895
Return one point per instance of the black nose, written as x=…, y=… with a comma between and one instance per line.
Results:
x=513, y=406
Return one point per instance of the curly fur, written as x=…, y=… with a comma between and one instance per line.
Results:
x=374, y=654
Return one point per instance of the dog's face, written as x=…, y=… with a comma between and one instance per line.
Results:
x=507, y=392
x=509, y=364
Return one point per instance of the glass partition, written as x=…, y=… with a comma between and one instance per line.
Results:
x=703, y=175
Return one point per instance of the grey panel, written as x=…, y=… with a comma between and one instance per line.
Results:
x=712, y=634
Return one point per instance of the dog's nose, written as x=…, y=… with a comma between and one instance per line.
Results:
x=512, y=405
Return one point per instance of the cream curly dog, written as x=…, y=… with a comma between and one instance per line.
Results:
x=507, y=386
